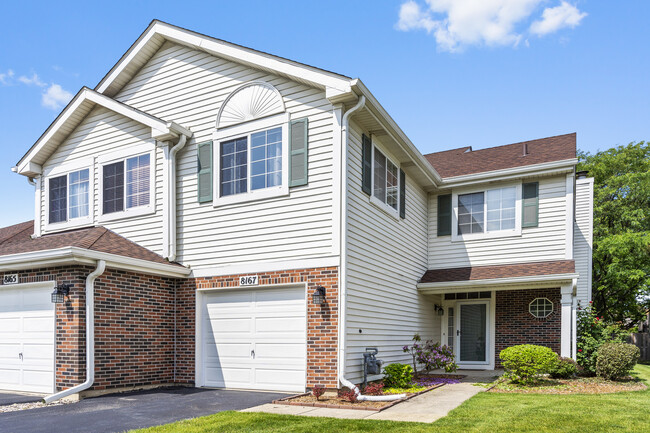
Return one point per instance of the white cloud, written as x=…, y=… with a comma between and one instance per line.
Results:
x=5, y=77
x=456, y=24
x=55, y=97
x=33, y=80
x=559, y=17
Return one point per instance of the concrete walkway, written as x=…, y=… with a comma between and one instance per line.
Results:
x=427, y=407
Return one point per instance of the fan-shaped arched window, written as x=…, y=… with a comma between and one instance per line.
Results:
x=251, y=101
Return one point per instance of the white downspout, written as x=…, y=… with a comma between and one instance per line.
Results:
x=344, y=233
x=171, y=199
x=90, y=336
x=362, y=397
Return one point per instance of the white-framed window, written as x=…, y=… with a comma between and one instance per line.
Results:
x=486, y=213
x=385, y=182
x=540, y=308
x=251, y=160
x=68, y=198
x=126, y=184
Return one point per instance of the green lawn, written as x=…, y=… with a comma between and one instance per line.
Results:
x=486, y=412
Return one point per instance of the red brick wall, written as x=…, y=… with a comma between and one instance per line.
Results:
x=322, y=320
x=515, y=325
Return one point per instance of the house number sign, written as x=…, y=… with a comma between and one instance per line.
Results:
x=249, y=280
x=10, y=279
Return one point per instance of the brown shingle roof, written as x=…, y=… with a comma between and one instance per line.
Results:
x=17, y=239
x=501, y=271
x=458, y=162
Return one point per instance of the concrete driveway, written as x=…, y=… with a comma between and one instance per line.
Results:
x=121, y=412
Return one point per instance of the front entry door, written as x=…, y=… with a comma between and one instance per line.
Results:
x=472, y=336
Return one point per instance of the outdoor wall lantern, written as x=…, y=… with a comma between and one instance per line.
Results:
x=60, y=292
x=319, y=295
x=439, y=310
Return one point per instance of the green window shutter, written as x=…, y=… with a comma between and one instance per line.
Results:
x=204, y=164
x=366, y=164
x=530, y=205
x=444, y=215
x=298, y=149
x=402, y=194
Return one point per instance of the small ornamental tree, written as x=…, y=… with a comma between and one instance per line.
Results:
x=593, y=332
x=317, y=391
x=431, y=355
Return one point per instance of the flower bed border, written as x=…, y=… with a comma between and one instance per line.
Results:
x=287, y=401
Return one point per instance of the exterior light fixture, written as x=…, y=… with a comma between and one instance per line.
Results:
x=439, y=310
x=60, y=292
x=319, y=295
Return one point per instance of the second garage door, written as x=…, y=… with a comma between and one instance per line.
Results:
x=254, y=339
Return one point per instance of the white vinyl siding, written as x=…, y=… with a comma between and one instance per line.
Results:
x=188, y=87
x=583, y=238
x=386, y=257
x=544, y=242
x=104, y=132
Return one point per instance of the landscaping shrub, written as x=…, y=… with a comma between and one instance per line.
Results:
x=616, y=360
x=593, y=332
x=348, y=395
x=398, y=375
x=376, y=388
x=317, y=391
x=431, y=355
x=525, y=362
x=564, y=368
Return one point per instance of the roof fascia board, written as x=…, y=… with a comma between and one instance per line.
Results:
x=382, y=116
x=547, y=168
x=513, y=282
x=229, y=51
x=76, y=255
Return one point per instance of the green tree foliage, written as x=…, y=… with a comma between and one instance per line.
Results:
x=621, y=255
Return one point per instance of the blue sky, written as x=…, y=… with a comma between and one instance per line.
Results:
x=451, y=72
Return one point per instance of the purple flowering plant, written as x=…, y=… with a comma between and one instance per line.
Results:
x=431, y=355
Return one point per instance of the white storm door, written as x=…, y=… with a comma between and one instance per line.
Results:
x=472, y=333
x=27, y=338
x=254, y=339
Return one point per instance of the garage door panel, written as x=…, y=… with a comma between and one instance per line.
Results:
x=9, y=326
x=270, y=322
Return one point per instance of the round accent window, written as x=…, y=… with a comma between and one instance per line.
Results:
x=541, y=308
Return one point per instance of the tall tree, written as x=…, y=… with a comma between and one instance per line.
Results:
x=621, y=254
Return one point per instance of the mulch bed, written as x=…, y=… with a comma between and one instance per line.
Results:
x=332, y=401
x=579, y=385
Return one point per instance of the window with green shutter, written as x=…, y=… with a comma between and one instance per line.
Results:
x=530, y=204
x=366, y=164
x=298, y=152
x=204, y=165
x=444, y=215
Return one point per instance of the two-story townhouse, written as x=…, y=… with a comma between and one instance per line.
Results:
x=212, y=215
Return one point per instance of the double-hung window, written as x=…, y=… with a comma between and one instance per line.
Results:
x=491, y=211
x=126, y=186
x=68, y=197
x=386, y=184
x=382, y=179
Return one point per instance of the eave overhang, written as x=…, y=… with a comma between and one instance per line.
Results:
x=512, y=283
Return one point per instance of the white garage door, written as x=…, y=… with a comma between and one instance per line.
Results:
x=26, y=338
x=254, y=339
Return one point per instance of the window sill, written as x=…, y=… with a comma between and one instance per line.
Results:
x=261, y=194
x=384, y=207
x=131, y=213
x=488, y=235
x=68, y=225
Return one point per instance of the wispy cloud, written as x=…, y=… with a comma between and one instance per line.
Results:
x=456, y=24
x=55, y=97
x=5, y=77
x=559, y=17
x=32, y=81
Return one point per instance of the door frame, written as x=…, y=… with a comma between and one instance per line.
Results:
x=488, y=339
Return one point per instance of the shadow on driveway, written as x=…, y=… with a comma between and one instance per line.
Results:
x=121, y=412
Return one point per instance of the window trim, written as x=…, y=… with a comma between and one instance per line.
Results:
x=246, y=129
x=374, y=200
x=65, y=170
x=455, y=237
x=114, y=157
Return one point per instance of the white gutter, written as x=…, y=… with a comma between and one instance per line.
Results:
x=171, y=199
x=344, y=231
x=90, y=337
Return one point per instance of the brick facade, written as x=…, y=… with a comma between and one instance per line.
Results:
x=515, y=325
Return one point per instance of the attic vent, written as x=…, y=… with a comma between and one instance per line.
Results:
x=525, y=149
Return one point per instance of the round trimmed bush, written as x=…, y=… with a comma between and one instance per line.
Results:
x=397, y=375
x=616, y=360
x=525, y=362
x=564, y=368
